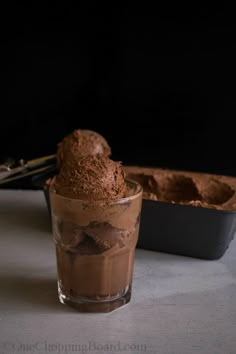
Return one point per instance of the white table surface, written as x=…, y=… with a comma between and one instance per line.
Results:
x=179, y=304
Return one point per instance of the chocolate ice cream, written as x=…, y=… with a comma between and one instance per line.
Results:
x=91, y=178
x=81, y=143
x=95, y=214
x=185, y=187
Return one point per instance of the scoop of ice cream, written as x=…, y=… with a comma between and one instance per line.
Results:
x=81, y=143
x=91, y=178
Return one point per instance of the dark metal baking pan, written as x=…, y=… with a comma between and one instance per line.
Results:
x=187, y=213
x=186, y=230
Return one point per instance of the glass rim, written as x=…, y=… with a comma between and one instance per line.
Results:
x=133, y=196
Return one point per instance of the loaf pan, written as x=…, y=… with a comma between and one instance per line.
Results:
x=186, y=213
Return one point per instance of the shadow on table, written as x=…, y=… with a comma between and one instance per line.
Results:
x=21, y=293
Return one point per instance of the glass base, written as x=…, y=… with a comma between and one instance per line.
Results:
x=82, y=304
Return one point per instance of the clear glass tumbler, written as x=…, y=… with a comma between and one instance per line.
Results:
x=95, y=246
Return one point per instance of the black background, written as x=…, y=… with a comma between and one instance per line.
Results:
x=156, y=82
